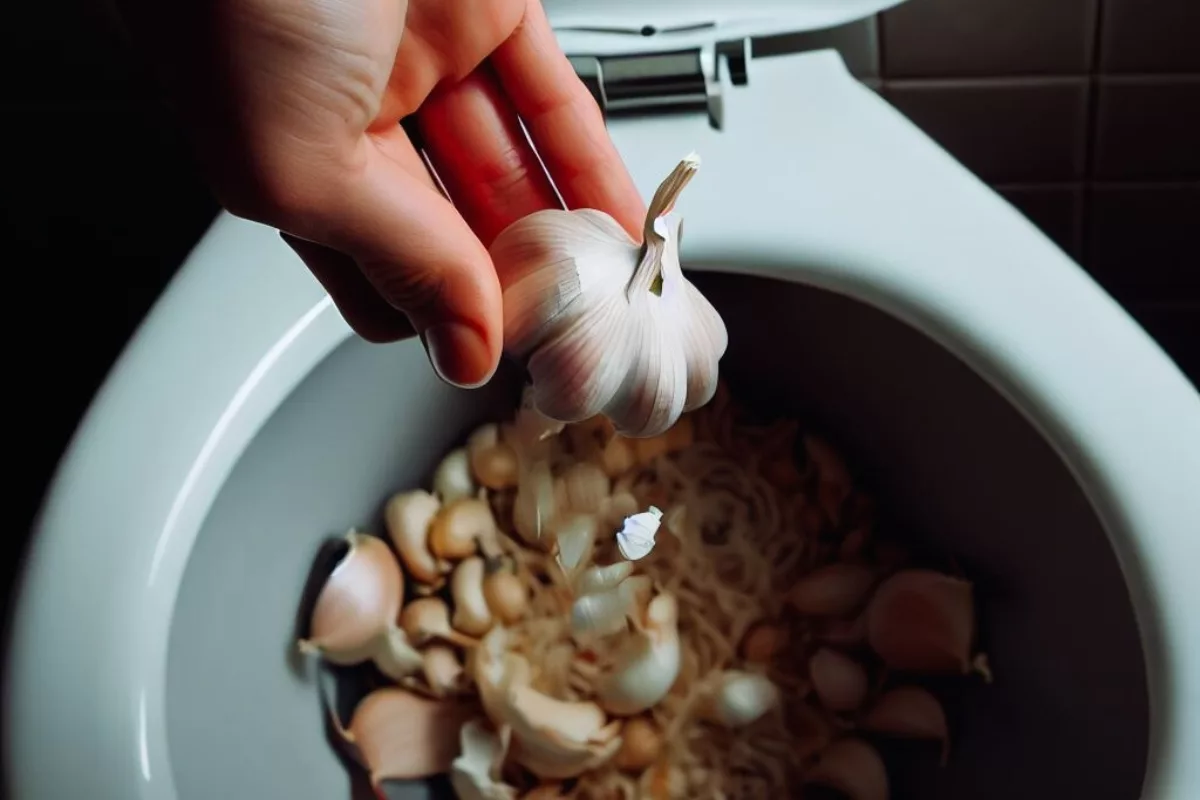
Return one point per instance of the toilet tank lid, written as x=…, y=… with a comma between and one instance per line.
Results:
x=619, y=27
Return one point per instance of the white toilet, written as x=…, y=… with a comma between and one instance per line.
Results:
x=1004, y=406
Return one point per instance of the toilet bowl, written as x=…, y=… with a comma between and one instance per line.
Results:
x=1004, y=407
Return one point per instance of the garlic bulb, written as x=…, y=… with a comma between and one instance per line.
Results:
x=604, y=325
x=636, y=538
x=852, y=767
x=408, y=516
x=398, y=735
x=354, y=618
x=922, y=621
x=647, y=663
x=740, y=698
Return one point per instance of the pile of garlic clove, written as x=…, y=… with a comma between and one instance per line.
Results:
x=604, y=325
x=526, y=644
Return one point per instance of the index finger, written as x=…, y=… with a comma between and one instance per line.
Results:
x=565, y=123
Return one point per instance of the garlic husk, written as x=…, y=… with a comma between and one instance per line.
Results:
x=852, y=767
x=408, y=516
x=605, y=325
x=834, y=590
x=740, y=698
x=840, y=682
x=427, y=619
x=354, y=618
x=398, y=735
x=452, y=479
x=607, y=612
x=595, y=580
x=471, y=772
x=920, y=620
x=646, y=664
x=909, y=712
x=635, y=540
x=472, y=615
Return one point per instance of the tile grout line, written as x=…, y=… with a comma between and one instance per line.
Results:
x=1090, y=135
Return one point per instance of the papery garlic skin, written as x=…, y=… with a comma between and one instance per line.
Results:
x=636, y=538
x=582, y=312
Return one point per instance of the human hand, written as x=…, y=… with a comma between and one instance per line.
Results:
x=294, y=108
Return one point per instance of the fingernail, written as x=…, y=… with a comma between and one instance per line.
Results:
x=459, y=354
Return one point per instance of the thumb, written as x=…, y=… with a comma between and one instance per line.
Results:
x=420, y=255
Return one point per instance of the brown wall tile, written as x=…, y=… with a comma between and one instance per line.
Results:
x=1057, y=210
x=988, y=37
x=1143, y=242
x=1006, y=131
x=858, y=43
x=1148, y=128
x=1150, y=36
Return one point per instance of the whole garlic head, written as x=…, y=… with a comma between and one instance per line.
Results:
x=603, y=325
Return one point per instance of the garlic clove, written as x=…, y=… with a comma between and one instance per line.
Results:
x=459, y=526
x=762, y=642
x=595, y=580
x=587, y=487
x=452, y=479
x=618, y=456
x=444, y=674
x=635, y=540
x=839, y=681
x=357, y=604
x=740, y=698
x=557, y=739
x=832, y=591
x=401, y=736
x=852, y=767
x=920, y=620
x=427, y=619
x=909, y=712
x=471, y=771
x=606, y=613
x=535, y=506
x=408, y=516
x=616, y=508
x=575, y=539
x=472, y=615
x=546, y=791
x=845, y=633
x=506, y=596
x=493, y=462
x=641, y=745
x=647, y=663
x=833, y=478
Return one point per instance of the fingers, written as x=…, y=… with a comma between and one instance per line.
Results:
x=471, y=133
x=416, y=251
x=371, y=317
x=565, y=123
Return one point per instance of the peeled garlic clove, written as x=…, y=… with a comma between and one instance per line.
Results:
x=408, y=516
x=472, y=615
x=603, y=324
x=401, y=736
x=427, y=619
x=839, y=681
x=641, y=745
x=606, y=613
x=493, y=462
x=358, y=602
x=852, y=767
x=832, y=591
x=636, y=538
x=535, y=506
x=922, y=621
x=452, y=479
x=908, y=712
x=470, y=773
x=575, y=538
x=459, y=526
x=647, y=663
x=506, y=596
x=740, y=698
x=595, y=580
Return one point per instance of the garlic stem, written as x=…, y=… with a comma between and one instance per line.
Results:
x=653, y=242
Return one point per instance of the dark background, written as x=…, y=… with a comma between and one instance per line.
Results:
x=1083, y=113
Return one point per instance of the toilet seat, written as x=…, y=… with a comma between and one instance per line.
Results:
x=832, y=188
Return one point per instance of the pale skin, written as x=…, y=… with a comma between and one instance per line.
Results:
x=293, y=107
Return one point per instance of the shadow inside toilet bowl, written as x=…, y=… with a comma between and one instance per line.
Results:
x=954, y=466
